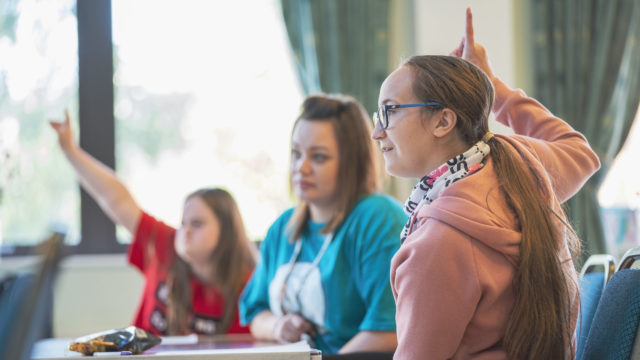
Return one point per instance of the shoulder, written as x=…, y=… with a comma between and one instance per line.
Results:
x=279, y=227
x=476, y=196
x=378, y=213
x=375, y=221
x=283, y=219
x=149, y=227
x=374, y=204
x=151, y=231
x=433, y=243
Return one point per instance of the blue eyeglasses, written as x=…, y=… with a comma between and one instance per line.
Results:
x=382, y=115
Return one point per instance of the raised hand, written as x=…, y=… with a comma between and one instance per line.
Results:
x=98, y=180
x=470, y=50
x=65, y=134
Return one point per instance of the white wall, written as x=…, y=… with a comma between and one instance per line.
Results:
x=95, y=293
x=440, y=26
x=91, y=293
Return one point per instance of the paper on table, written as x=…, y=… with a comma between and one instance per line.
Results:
x=180, y=340
x=300, y=346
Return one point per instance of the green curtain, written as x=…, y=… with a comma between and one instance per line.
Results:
x=587, y=71
x=340, y=46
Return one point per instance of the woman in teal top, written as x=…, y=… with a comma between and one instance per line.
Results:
x=324, y=269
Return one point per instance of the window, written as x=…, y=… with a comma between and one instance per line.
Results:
x=204, y=95
x=619, y=196
x=38, y=80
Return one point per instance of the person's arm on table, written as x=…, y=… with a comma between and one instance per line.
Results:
x=287, y=328
x=371, y=341
x=377, y=242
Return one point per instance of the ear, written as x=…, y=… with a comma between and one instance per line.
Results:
x=444, y=123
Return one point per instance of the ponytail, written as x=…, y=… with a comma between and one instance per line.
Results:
x=540, y=323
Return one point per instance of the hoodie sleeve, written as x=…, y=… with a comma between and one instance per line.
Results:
x=436, y=287
x=563, y=152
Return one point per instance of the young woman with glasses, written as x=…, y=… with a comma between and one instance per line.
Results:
x=485, y=269
x=324, y=269
x=194, y=274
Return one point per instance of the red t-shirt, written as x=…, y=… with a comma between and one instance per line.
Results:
x=152, y=251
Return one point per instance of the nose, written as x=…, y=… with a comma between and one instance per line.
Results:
x=302, y=165
x=305, y=166
x=378, y=133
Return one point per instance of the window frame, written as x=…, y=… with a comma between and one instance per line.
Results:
x=96, y=126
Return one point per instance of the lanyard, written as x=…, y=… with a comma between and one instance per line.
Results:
x=292, y=262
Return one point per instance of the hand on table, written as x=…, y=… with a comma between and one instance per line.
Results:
x=290, y=327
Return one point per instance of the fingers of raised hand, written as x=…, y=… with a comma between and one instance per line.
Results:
x=458, y=50
x=469, y=37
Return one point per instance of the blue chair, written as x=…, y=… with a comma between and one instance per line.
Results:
x=596, y=271
x=630, y=259
x=25, y=304
x=615, y=324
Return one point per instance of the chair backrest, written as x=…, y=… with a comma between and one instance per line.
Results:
x=630, y=259
x=596, y=271
x=615, y=323
x=25, y=304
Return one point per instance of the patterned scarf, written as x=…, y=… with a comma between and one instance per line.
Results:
x=429, y=187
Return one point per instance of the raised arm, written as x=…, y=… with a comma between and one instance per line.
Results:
x=564, y=152
x=99, y=180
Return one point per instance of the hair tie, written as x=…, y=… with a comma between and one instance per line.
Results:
x=488, y=136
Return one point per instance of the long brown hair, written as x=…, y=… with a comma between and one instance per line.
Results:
x=233, y=260
x=539, y=326
x=357, y=163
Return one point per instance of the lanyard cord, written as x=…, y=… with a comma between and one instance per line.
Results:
x=292, y=263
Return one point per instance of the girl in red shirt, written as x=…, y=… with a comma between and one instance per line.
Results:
x=194, y=274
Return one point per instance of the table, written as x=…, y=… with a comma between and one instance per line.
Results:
x=219, y=347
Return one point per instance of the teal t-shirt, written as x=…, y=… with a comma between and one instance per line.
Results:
x=348, y=291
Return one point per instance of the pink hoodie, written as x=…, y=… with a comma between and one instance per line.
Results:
x=452, y=277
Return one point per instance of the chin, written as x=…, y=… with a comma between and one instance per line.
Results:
x=304, y=195
x=399, y=172
x=183, y=256
x=391, y=170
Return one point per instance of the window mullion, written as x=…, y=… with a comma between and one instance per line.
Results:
x=96, y=118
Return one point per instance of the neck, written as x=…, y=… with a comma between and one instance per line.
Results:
x=448, y=149
x=321, y=213
x=204, y=272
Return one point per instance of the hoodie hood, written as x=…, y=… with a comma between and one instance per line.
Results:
x=476, y=207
